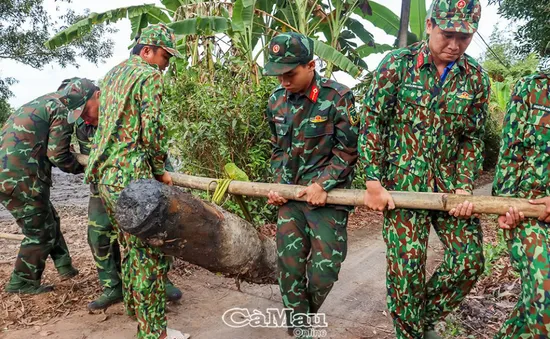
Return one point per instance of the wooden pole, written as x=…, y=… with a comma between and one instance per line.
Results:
x=8, y=236
x=353, y=197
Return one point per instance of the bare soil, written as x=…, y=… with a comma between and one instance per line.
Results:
x=356, y=307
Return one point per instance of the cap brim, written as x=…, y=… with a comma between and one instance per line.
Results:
x=173, y=52
x=457, y=26
x=274, y=68
x=73, y=115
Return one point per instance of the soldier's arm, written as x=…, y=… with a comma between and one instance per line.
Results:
x=511, y=155
x=59, y=142
x=344, y=152
x=276, y=151
x=153, y=128
x=168, y=165
x=379, y=103
x=470, y=157
x=82, y=137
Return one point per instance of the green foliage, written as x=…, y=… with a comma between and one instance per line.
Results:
x=5, y=111
x=247, y=25
x=502, y=63
x=493, y=252
x=418, y=18
x=533, y=19
x=493, y=132
x=218, y=121
x=505, y=67
x=25, y=25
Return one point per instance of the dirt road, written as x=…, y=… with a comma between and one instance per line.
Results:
x=356, y=307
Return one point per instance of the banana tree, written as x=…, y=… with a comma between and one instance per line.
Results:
x=245, y=25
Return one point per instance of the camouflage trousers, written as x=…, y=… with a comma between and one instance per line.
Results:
x=311, y=246
x=416, y=305
x=144, y=274
x=529, y=246
x=103, y=242
x=40, y=224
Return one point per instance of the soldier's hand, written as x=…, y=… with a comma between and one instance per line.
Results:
x=463, y=210
x=273, y=198
x=166, y=178
x=315, y=195
x=377, y=197
x=511, y=219
x=543, y=201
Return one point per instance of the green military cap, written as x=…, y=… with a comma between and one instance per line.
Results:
x=456, y=15
x=159, y=35
x=65, y=82
x=75, y=95
x=287, y=51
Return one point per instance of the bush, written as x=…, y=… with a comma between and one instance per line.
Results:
x=218, y=121
x=493, y=131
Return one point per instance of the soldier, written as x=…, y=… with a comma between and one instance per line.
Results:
x=101, y=234
x=314, y=137
x=523, y=171
x=131, y=144
x=36, y=137
x=422, y=131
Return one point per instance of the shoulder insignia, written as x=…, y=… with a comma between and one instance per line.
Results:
x=352, y=114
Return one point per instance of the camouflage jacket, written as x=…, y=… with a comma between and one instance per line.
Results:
x=420, y=126
x=312, y=137
x=523, y=168
x=131, y=141
x=36, y=137
x=85, y=136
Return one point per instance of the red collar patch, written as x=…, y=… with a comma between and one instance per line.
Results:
x=314, y=94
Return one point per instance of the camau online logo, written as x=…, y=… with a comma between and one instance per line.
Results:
x=273, y=317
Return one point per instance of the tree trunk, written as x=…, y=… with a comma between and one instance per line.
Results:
x=195, y=231
x=404, y=23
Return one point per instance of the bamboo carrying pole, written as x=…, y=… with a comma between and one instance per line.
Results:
x=9, y=236
x=412, y=200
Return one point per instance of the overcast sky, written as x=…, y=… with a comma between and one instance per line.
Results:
x=33, y=83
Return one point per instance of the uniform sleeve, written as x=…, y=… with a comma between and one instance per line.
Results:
x=84, y=143
x=59, y=142
x=168, y=165
x=153, y=128
x=276, y=153
x=511, y=157
x=379, y=103
x=470, y=157
x=344, y=152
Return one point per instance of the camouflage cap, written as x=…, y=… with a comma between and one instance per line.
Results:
x=159, y=35
x=75, y=95
x=65, y=82
x=456, y=15
x=287, y=51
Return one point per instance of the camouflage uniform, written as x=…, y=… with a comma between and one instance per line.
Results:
x=36, y=137
x=131, y=144
x=101, y=235
x=422, y=132
x=523, y=171
x=314, y=141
